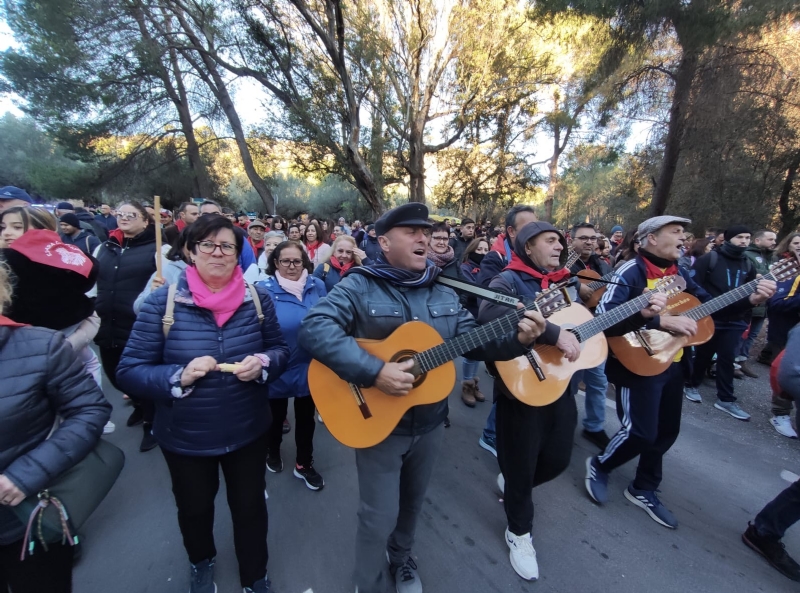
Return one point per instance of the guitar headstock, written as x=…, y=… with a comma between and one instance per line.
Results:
x=785, y=269
x=572, y=257
x=670, y=285
x=553, y=299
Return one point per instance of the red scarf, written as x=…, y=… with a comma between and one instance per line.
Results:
x=555, y=276
x=6, y=322
x=180, y=224
x=342, y=268
x=45, y=247
x=311, y=249
x=653, y=272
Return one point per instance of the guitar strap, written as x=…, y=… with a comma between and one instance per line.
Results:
x=499, y=297
x=576, y=275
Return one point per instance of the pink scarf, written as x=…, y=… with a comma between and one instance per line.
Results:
x=222, y=304
x=294, y=287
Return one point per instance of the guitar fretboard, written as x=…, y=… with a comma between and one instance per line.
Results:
x=726, y=299
x=609, y=319
x=601, y=282
x=451, y=349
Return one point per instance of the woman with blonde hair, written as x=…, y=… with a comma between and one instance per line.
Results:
x=343, y=255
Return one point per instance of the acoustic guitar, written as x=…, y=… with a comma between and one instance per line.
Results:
x=650, y=352
x=542, y=376
x=364, y=416
x=596, y=284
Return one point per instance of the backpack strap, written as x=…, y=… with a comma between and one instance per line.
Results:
x=169, y=319
x=256, y=302
x=88, y=249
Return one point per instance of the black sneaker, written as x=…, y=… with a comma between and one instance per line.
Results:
x=136, y=417
x=773, y=550
x=274, y=462
x=310, y=476
x=148, y=440
x=598, y=437
x=202, y=575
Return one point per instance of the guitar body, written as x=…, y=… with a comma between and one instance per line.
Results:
x=587, y=277
x=522, y=381
x=634, y=356
x=339, y=407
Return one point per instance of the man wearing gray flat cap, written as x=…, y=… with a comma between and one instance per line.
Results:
x=371, y=302
x=648, y=407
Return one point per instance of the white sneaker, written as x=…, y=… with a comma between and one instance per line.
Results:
x=319, y=419
x=501, y=483
x=783, y=424
x=522, y=555
x=109, y=427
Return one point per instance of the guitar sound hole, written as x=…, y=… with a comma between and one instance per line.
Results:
x=415, y=370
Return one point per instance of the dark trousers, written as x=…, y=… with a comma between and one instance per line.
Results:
x=110, y=358
x=725, y=343
x=534, y=446
x=303, y=430
x=195, y=481
x=780, y=514
x=649, y=409
x=41, y=572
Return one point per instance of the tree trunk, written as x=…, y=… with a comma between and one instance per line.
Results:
x=376, y=149
x=789, y=216
x=416, y=163
x=553, y=169
x=677, y=123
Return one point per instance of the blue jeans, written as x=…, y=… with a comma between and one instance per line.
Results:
x=490, y=430
x=469, y=368
x=596, y=387
x=779, y=514
x=755, y=328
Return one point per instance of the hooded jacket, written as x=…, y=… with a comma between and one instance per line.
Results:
x=370, y=246
x=732, y=269
x=84, y=240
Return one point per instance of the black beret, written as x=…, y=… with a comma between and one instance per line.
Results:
x=411, y=214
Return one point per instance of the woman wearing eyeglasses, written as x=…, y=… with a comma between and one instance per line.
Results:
x=294, y=291
x=207, y=379
x=127, y=260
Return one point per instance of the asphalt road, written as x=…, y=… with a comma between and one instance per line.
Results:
x=718, y=476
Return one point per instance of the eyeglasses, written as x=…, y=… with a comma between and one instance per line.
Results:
x=209, y=247
x=440, y=239
x=290, y=263
x=587, y=239
x=127, y=215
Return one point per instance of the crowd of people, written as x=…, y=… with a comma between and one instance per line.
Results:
x=210, y=338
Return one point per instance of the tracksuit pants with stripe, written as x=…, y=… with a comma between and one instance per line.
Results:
x=649, y=409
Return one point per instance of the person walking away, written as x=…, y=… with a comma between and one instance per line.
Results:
x=534, y=444
x=55, y=385
x=127, y=261
x=761, y=254
x=293, y=292
x=209, y=416
x=718, y=272
x=584, y=239
x=765, y=533
x=393, y=475
x=470, y=269
x=72, y=234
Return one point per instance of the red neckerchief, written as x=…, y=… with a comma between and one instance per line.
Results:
x=311, y=249
x=342, y=268
x=517, y=265
x=500, y=245
x=255, y=246
x=653, y=272
x=180, y=224
x=45, y=247
x=117, y=235
x=6, y=322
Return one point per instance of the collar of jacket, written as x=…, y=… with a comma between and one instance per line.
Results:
x=148, y=235
x=272, y=285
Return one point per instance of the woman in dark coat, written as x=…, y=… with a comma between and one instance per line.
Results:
x=54, y=384
x=294, y=292
x=207, y=378
x=127, y=260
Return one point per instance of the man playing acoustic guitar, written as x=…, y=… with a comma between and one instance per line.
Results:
x=649, y=408
x=371, y=302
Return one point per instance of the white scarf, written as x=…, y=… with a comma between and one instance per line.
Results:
x=294, y=287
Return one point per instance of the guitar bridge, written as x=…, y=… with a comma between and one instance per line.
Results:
x=535, y=365
x=360, y=401
x=644, y=343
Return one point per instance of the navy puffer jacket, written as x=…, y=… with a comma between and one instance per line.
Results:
x=41, y=377
x=124, y=272
x=222, y=413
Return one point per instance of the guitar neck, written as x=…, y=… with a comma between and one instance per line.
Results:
x=723, y=300
x=597, y=284
x=451, y=349
x=611, y=318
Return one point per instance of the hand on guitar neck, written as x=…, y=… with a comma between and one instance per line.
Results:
x=764, y=291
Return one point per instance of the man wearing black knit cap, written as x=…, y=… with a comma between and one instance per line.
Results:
x=719, y=272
